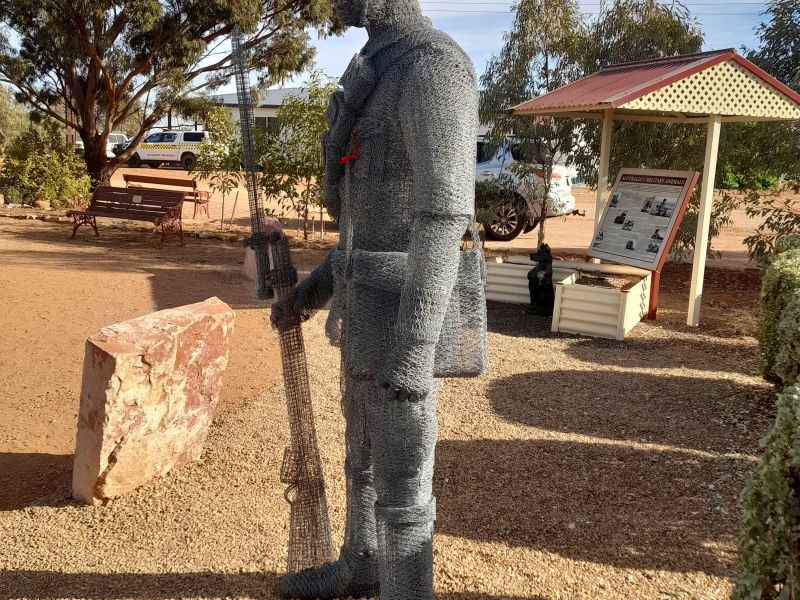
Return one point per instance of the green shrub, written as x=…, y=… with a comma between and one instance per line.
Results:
x=57, y=177
x=42, y=137
x=781, y=284
x=786, y=243
x=787, y=343
x=728, y=180
x=769, y=537
x=779, y=223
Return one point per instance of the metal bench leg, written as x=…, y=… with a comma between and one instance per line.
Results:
x=171, y=223
x=83, y=220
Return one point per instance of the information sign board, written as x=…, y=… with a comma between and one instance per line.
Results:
x=641, y=217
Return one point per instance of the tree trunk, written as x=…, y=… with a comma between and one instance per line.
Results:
x=541, y=232
x=100, y=167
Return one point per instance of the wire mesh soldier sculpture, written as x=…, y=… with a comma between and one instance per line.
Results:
x=408, y=305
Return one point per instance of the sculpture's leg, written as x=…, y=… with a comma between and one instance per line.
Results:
x=355, y=574
x=403, y=435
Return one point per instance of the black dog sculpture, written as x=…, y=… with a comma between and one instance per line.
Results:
x=540, y=283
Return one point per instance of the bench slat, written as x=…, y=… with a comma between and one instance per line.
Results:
x=125, y=214
x=154, y=179
x=138, y=205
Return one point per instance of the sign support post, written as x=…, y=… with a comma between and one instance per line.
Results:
x=704, y=219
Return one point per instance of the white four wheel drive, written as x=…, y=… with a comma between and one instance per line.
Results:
x=115, y=138
x=169, y=147
x=522, y=215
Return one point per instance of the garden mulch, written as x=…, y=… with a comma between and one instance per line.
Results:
x=575, y=468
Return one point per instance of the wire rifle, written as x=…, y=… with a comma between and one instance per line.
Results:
x=301, y=470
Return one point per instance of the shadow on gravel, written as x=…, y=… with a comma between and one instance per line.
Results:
x=47, y=585
x=713, y=415
x=176, y=287
x=702, y=354
x=111, y=586
x=28, y=479
x=601, y=503
x=512, y=320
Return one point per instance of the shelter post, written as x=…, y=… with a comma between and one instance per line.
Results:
x=704, y=219
x=605, y=156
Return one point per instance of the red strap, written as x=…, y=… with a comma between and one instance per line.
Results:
x=352, y=156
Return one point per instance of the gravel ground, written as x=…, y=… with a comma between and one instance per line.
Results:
x=576, y=468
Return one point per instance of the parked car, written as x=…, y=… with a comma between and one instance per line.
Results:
x=114, y=139
x=120, y=146
x=169, y=147
x=522, y=215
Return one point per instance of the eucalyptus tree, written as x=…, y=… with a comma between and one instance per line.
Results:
x=630, y=30
x=104, y=60
x=13, y=117
x=540, y=53
x=771, y=150
x=779, y=37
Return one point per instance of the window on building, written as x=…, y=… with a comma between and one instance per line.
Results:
x=273, y=126
x=261, y=124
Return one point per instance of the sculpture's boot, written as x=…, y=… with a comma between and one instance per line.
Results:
x=355, y=573
x=406, y=551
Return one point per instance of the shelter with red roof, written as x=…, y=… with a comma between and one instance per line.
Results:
x=709, y=88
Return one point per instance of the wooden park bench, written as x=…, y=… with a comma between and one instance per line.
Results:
x=191, y=193
x=162, y=208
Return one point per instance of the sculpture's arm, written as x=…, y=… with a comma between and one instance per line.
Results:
x=439, y=121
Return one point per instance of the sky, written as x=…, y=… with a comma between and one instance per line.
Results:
x=479, y=26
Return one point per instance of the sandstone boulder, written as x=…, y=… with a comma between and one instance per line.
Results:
x=149, y=389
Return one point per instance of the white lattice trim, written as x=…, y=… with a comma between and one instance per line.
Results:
x=724, y=89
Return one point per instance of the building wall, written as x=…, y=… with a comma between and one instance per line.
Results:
x=262, y=116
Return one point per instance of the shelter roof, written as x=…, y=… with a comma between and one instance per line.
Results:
x=682, y=88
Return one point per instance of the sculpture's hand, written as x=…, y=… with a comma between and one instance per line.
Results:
x=310, y=295
x=282, y=311
x=407, y=373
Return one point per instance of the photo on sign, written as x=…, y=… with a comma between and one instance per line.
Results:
x=658, y=235
x=664, y=207
x=614, y=200
x=620, y=218
x=628, y=225
x=630, y=245
x=653, y=247
x=648, y=204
